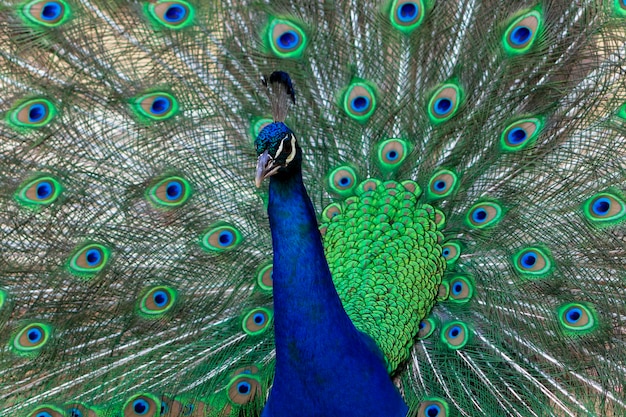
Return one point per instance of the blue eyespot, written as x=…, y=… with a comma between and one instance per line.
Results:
x=34, y=335
x=226, y=238
x=573, y=315
x=244, y=387
x=407, y=12
x=517, y=135
x=93, y=257
x=173, y=190
x=440, y=185
x=443, y=106
x=175, y=13
x=160, y=105
x=479, y=215
x=345, y=181
x=521, y=35
x=43, y=414
x=432, y=410
x=51, y=11
x=454, y=331
x=360, y=103
x=36, y=113
x=288, y=39
x=141, y=406
x=44, y=190
x=392, y=155
x=160, y=298
x=529, y=260
x=457, y=288
x=164, y=407
x=259, y=319
x=601, y=206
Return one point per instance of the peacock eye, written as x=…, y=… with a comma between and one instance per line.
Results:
x=46, y=411
x=47, y=13
x=433, y=407
x=145, y=405
x=157, y=301
x=257, y=321
x=221, y=237
x=89, y=260
x=286, y=39
x=455, y=335
x=172, y=14
x=30, y=339
x=243, y=388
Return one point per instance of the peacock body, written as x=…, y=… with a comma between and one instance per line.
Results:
x=444, y=237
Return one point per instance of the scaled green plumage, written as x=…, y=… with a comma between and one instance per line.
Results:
x=487, y=260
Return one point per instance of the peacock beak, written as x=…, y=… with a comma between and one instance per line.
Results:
x=265, y=168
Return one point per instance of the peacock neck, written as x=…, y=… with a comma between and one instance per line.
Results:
x=308, y=311
x=324, y=365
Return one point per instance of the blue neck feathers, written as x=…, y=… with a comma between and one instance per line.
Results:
x=324, y=365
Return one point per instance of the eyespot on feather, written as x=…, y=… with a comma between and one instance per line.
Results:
x=171, y=14
x=342, y=181
x=286, y=39
x=155, y=106
x=257, y=321
x=451, y=252
x=47, y=410
x=359, y=101
x=157, y=301
x=407, y=15
x=30, y=339
x=455, y=335
x=484, y=215
x=46, y=13
x=32, y=114
x=221, y=237
x=142, y=405
x=391, y=154
x=604, y=209
x=522, y=33
x=243, y=388
x=577, y=318
x=444, y=103
x=533, y=262
x=461, y=290
x=520, y=134
x=264, y=277
x=89, y=260
x=426, y=328
x=38, y=192
x=442, y=184
x=433, y=407
x=170, y=192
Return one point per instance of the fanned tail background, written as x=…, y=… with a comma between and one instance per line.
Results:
x=110, y=156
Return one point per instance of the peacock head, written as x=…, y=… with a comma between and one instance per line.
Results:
x=278, y=151
x=276, y=144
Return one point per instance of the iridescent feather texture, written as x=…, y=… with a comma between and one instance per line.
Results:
x=446, y=235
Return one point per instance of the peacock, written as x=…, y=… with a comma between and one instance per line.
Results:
x=304, y=208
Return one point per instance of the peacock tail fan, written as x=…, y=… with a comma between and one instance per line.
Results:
x=466, y=159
